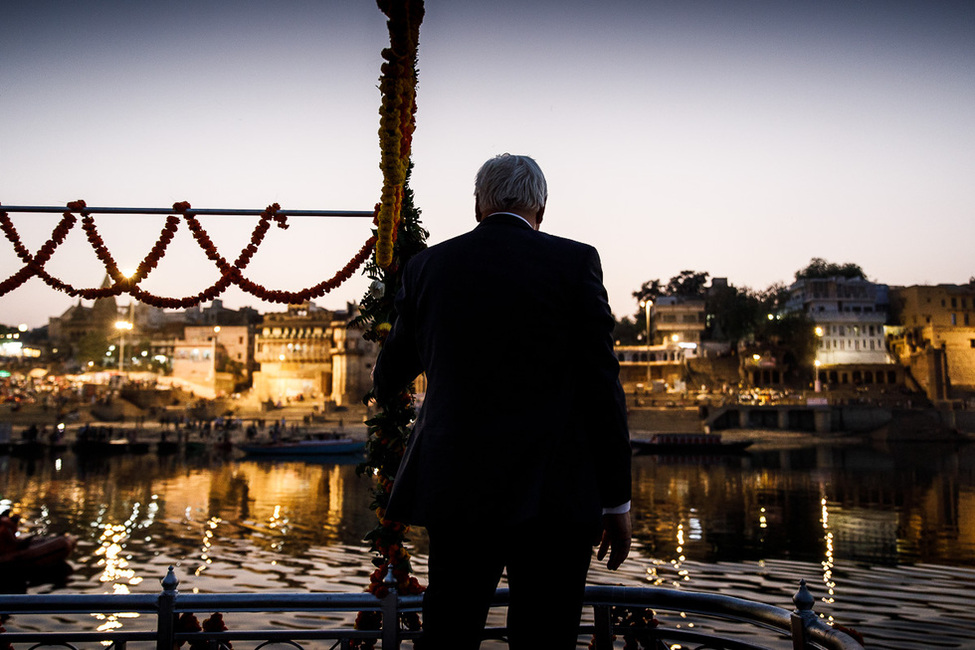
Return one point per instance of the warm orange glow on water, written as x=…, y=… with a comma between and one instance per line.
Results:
x=753, y=525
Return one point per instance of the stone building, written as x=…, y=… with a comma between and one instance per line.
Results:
x=935, y=337
x=81, y=327
x=679, y=322
x=213, y=360
x=310, y=353
x=849, y=316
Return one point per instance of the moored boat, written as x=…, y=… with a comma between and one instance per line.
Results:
x=687, y=443
x=37, y=552
x=326, y=447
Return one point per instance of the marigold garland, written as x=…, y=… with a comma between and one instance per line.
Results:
x=397, y=85
x=390, y=426
x=229, y=273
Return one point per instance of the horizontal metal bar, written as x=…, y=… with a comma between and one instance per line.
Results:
x=203, y=212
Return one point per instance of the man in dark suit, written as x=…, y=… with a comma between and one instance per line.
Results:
x=520, y=456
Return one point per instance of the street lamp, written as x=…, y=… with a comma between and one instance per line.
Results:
x=647, y=305
x=213, y=354
x=122, y=326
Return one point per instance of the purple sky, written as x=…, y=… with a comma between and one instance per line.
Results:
x=738, y=138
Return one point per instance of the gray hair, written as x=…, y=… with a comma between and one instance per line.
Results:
x=508, y=182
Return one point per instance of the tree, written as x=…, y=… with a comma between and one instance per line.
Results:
x=818, y=268
x=688, y=284
x=649, y=290
x=628, y=332
x=91, y=347
x=732, y=313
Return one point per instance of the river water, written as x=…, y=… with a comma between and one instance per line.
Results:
x=884, y=535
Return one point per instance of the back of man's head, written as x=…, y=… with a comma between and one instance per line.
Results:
x=509, y=183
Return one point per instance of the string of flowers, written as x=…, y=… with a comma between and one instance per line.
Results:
x=389, y=427
x=397, y=111
x=33, y=265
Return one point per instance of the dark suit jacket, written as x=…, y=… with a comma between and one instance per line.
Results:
x=524, y=414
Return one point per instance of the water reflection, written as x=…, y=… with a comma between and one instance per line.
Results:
x=750, y=525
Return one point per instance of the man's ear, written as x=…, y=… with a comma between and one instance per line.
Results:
x=538, y=218
x=477, y=210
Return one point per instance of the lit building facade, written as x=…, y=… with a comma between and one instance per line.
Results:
x=309, y=353
x=849, y=316
x=936, y=336
x=679, y=321
x=211, y=360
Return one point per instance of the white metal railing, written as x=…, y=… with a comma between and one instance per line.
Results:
x=611, y=607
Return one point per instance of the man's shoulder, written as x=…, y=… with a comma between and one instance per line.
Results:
x=458, y=244
x=565, y=242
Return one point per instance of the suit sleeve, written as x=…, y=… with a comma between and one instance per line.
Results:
x=608, y=431
x=399, y=361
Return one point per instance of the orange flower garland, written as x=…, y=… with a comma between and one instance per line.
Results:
x=398, y=87
x=229, y=273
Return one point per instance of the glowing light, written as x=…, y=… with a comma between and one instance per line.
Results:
x=828, y=560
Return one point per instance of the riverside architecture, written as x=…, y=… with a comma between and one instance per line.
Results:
x=869, y=338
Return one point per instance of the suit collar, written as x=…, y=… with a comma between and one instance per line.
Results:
x=504, y=218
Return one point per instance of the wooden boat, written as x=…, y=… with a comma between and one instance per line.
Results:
x=37, y=552
x=109, y=447
x=688, y=443
x=297, y=448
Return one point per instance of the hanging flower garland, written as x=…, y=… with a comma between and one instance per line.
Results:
x=389, y=427
x=397, y=115
x=229, y=273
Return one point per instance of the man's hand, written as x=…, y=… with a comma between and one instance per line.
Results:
x=617, y=534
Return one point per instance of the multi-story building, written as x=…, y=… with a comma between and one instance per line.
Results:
x=309, y=353
x=679, y=321
x=211, y=360
x=849, y=315
x=936, y=336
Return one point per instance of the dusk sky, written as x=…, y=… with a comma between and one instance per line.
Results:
x=737, y=138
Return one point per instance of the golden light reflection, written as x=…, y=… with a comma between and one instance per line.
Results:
x=208, y=528
x=111, y=553
x=828, y=561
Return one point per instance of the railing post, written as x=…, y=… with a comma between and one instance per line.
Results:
x=802, y=615
x=390, y=609
x=603, y=622
x=165, y=627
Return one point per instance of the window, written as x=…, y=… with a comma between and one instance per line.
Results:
x=954, y=303
x=954, y=319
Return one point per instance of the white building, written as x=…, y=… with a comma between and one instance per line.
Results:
x=849, y=316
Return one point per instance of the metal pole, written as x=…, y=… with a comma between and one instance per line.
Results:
x=390, y=608
x=165, y=626
x=212, y=212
